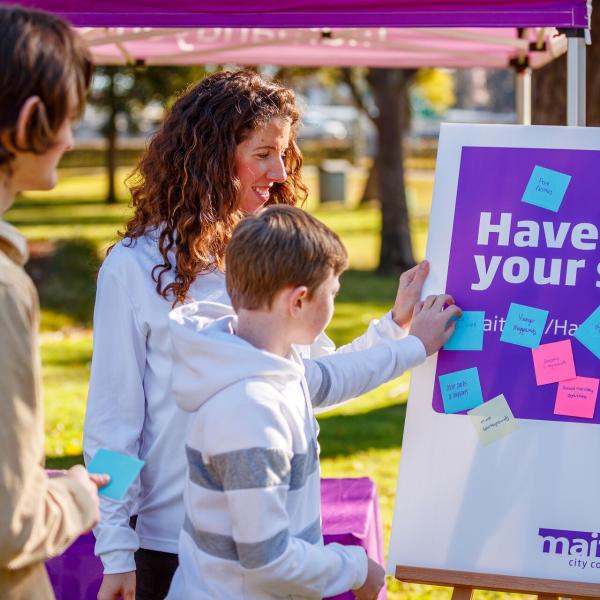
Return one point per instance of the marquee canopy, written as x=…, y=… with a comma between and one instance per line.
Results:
x=379, y=47
x=319, y=13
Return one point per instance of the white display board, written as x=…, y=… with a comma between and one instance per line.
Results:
x=527, y=504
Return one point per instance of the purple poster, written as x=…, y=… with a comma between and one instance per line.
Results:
x=525, y=233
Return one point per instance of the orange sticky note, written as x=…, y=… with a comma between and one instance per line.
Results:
x=553, y=362
x=577, y=397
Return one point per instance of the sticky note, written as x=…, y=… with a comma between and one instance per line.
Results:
x=577, y=397
x=588, y=333
x=493, y=420
x=524, y=325
x=553, y=362
x=468, y=332
x=122, y=469
x=546, y=188
x=461, y=390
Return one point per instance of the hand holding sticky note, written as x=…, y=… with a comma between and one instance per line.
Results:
x=123, y=470
x=468, y=331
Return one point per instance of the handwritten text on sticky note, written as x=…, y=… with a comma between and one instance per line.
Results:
x=524, y=325
x=553, y=362
x=493, y=420
x=461, y=390
x=546, y=188
x=577, y=397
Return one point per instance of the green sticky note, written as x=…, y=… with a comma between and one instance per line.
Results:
x=493, y=420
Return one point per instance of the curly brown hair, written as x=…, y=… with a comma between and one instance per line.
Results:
x=185, y=186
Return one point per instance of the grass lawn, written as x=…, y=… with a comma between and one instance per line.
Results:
x=72, y=228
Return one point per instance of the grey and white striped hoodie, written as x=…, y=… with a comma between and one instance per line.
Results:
x=252, y=499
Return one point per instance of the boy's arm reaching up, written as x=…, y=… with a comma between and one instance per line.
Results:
x=394, y=325
x=342, y=376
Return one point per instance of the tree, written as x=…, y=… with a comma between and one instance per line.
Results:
x=390, y=91
x=122, y=93
x=549, y=85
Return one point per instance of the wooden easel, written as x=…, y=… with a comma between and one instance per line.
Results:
x=465, y=583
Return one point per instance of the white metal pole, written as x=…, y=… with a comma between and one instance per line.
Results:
x=576, y=77
x=523, y=92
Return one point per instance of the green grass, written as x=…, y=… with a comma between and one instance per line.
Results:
x=360, y=438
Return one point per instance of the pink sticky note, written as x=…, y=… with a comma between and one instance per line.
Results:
x=553, y=362
x=577, y=397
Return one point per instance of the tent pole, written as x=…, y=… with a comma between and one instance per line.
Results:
x=523, y=93
x=576, y=77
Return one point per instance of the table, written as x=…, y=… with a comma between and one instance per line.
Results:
x=350, y=510
x=350, y=513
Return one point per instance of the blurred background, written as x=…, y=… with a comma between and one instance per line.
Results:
x=375, y=192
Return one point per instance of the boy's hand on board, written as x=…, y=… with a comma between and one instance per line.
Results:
x=409, y=291
x=374, y=582
x=431, y=321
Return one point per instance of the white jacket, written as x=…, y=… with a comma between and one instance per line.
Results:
x=252, y=499
x=130, y=407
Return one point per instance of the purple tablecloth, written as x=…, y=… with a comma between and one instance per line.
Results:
x=350, y=509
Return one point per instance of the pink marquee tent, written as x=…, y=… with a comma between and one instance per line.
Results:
x=384, y=33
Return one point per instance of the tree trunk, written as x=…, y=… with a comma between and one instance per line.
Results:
x=549, y=85
x=390, y=90
x=371, y=191
x=111, y=140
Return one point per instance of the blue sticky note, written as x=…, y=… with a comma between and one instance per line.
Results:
x=468, y=332
x=461, y=390
x=546, y=188
x=122, y=469
x=588, y=333
x=524, y=325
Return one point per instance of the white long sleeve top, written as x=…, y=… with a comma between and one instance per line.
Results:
x=130, y=406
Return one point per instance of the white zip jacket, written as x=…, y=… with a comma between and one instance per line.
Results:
x=130, y=407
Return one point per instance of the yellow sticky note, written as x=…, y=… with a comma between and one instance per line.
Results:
x=493, y=419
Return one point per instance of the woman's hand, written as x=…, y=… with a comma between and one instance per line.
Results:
x=118, y=585
x=409, y=291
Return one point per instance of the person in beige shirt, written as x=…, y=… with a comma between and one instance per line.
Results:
x=44, y=77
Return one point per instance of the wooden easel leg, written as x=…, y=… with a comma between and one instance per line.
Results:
x=547, y=597
x=462, y=593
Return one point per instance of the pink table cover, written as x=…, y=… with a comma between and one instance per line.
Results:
x=350, y=510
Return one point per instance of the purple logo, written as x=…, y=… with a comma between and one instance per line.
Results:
x=580, y=548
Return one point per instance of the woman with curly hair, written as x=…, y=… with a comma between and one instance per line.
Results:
x=226, y=148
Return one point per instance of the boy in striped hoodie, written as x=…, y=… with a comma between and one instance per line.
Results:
x=252, y=528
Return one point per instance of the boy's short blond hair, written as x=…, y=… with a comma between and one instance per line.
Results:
x=280, y=247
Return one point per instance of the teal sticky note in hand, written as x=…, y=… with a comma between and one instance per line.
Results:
x=524, y=325
x=468, y=332
x=123, y=470
x=546, y=188
x=461, y=390
x=588, y=333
